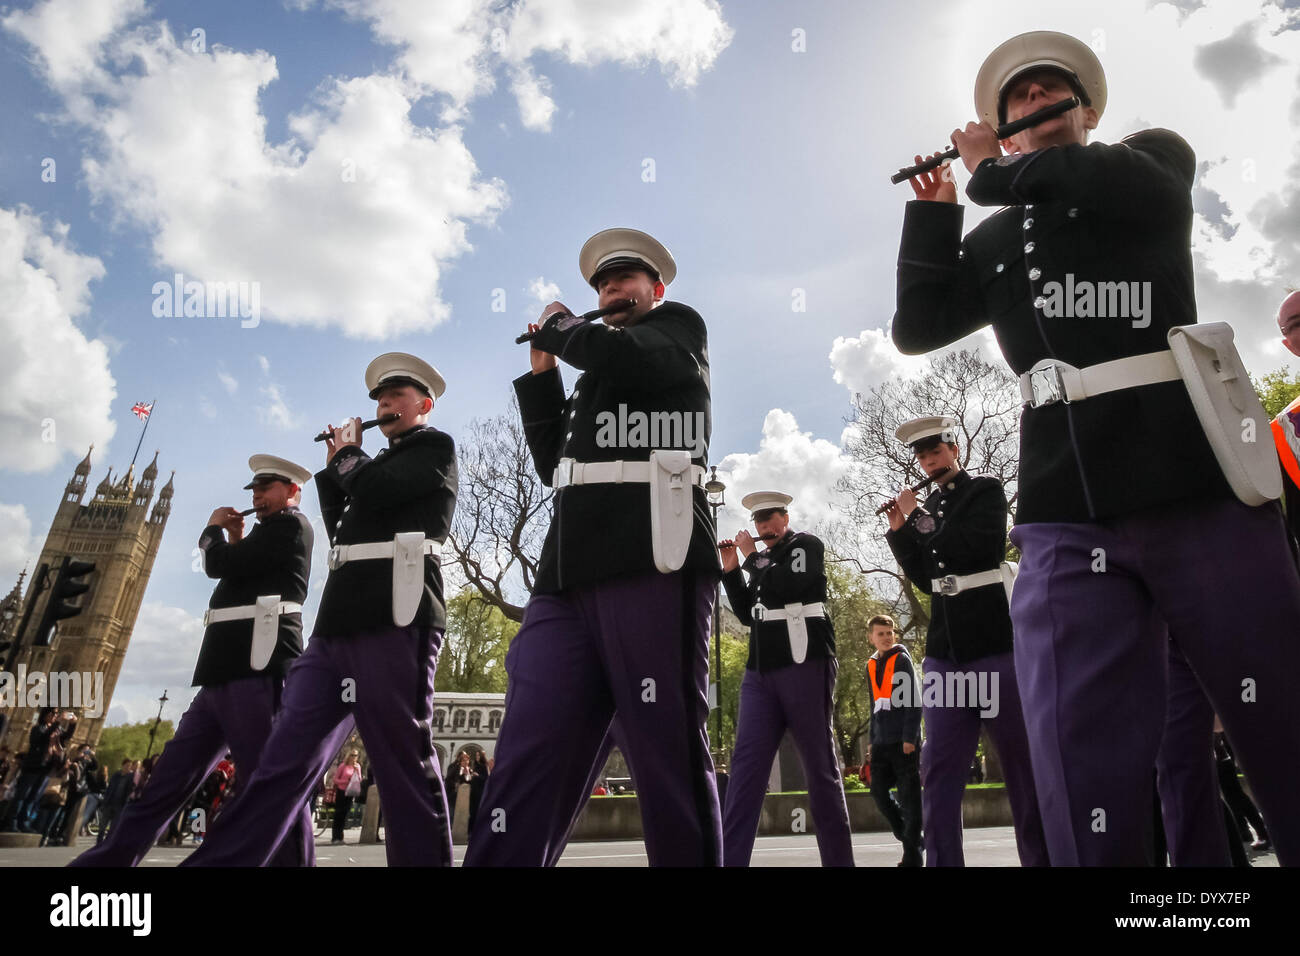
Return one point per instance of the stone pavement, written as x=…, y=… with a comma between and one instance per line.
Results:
x=991, y=846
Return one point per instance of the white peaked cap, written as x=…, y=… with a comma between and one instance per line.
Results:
x=269, y=466
x=1040, y=49
x=757, y=501
x=399, y=368
x=625, y=247
x=944, y=426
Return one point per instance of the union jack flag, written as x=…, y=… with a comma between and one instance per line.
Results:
x=142, y=410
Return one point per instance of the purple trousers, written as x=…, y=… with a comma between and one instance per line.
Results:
x=635, y=646
x=1186, y=775
x=798, y=698
x=235, y=717
x=1091, y=609
x=382, y=681
x=951, y=738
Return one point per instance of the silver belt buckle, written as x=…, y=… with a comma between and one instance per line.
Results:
x=1047, y=386
x=207, y=617
x=758, y=612
x=948, y=585
x=333, y=562
x=564, y=473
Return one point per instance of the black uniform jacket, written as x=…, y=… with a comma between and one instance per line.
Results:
x=902, y=724
x=1102, y=214
x=273, y=558
x=658, y=366
x=774, y=583
x=409, y=486
x=969, y=536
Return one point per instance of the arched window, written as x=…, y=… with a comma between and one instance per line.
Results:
x=475, y=719
x=459, y=720
x=494, y=721
x=439, y=718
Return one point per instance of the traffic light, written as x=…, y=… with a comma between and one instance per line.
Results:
x=66, y=585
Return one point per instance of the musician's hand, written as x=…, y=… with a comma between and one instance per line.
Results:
x=745, y=542
x=226, y=518
x=906, y=501
x=895, y=516
x=976, y=143
x=541, y=361
x=730, y=560
x=346, y=434
x=909, y=748
x=937, y=185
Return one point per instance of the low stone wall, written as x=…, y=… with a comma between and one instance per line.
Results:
x=619, y=818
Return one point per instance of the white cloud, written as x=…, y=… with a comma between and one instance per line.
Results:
x=56, y=390
x=263, y=363
x=787, y=460
x=868, y=359
x=356, y=215
x=684, y=37
x=18, y=549
x=70, y=34
x=541, y=293
x=228, y=381
x=161, y=655
x=533, y=95
x=274, y=410
x=456, y=52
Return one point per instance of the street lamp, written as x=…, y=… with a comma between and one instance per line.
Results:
x=715, y=491
x=157, y=720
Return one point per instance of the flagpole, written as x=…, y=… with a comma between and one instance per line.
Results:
x=143, y=430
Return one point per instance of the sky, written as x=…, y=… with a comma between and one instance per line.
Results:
x=419, y=176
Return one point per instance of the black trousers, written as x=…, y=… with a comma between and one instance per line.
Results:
x=342, y=806
x=1242, y=807
x=890, y=767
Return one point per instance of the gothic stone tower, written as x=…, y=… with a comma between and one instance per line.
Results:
x=117, y=531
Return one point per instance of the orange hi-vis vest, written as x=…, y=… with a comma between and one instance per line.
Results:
x=882, y=690
x=1286, y=435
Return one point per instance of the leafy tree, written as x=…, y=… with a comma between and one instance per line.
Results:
x=129, y=742
x=851, y=603
x=1277, y=390
x=473, y=657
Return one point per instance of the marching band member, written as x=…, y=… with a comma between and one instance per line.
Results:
x=1107, y=549
x=789, y=679
x=618, y=622
x=252, y=634
x=374, y=649
x=955, y=546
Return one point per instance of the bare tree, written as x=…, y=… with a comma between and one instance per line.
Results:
x=983, y=397
x=502, y=512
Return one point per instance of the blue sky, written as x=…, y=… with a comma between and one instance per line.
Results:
x=483, y=160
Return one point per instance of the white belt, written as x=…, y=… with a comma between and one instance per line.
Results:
x=760, y=613
x=341, y=554
x=951, y=584
x=571, y=472
x=1050, y=381
x=216, y=615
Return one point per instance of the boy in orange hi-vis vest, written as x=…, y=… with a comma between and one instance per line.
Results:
x=895, y=736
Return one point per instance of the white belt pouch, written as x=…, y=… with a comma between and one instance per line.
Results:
x=672, y=517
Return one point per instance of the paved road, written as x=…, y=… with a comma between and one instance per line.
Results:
x=994, y=846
